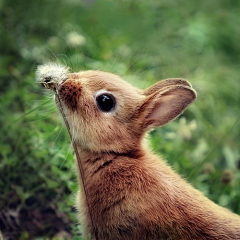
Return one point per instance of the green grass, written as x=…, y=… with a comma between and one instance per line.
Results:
x=143, y=41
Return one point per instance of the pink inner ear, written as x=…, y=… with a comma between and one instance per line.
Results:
x=162, y=107
x=169, y=105
x=164, y=110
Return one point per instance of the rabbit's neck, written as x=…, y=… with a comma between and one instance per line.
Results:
x=92, y=162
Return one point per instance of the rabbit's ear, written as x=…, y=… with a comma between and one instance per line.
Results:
x=163, y=106
x=162, y=85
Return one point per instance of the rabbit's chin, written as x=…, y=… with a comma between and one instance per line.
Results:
x=93, y=136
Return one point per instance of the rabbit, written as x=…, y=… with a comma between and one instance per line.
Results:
x=131, y=193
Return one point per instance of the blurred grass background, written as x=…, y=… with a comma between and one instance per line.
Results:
x=143, y=41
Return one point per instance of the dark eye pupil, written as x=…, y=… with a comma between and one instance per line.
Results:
x=106, y=102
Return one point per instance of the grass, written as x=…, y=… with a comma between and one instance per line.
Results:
x=143, y=41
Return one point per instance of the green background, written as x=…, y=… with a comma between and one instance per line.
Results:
x=143, y=41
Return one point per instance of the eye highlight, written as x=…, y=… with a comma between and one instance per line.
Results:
x=106, y=102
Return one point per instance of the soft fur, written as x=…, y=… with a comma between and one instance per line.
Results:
x=131, y=193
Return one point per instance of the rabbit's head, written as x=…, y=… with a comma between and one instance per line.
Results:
x=107, y=114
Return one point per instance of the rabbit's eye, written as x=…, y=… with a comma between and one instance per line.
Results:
x=106, y=102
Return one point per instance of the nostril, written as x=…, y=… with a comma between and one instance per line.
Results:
x=64, y=80
x=60, y=84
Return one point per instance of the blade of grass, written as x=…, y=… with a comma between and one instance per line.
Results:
x=27, y=113
x=198, y=167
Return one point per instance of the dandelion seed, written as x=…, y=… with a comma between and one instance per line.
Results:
x=53, y=41
x=74, y=39
x=186, y=129
x=50, y=74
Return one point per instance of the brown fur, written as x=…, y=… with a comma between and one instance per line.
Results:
x=131, y=193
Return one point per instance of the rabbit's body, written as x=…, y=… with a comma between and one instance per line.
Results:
x=138, y=196
x=131, y=193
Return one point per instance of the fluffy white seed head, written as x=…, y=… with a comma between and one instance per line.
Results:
x=50, y=74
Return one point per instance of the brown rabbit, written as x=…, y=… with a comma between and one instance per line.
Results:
x=131, y=193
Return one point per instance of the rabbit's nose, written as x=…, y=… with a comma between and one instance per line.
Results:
x=69, y=90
